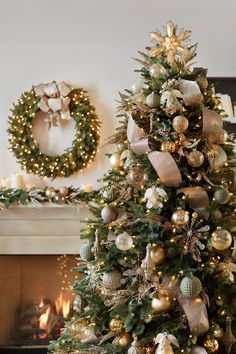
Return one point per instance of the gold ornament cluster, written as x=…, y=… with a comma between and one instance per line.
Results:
x=60, y=103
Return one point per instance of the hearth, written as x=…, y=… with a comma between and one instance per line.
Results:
x=34, y=301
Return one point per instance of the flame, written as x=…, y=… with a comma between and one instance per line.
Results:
x=43, y=319
x=62, y=306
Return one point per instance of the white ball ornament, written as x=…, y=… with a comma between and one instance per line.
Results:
x=157, y=71
x=153, y=100
x=124, y=241
x=190, y=286
x=112, y=280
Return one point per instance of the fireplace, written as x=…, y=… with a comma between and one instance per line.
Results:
x=34, y=300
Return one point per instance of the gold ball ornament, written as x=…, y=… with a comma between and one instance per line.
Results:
x=168, y=146
x=136, y=176
x=180, y=124
x=217, y=331
x=158, y=254
x=79, y=329
x=124, y=341
x=64, y=191
x=211, y=344
x=115, y=160
x=180, y=218
x=195, y=158
x=161, y=304
x=223, y=137
x=50, y=193
x=116, y=325
x=221, y=239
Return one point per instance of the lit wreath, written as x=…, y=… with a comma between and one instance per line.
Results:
x=60, y=101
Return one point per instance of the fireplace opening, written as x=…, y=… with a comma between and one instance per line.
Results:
x=35, y=300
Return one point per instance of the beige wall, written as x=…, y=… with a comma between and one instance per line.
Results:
x=90, y=43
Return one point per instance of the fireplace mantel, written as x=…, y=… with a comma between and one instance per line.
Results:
x=50, y=229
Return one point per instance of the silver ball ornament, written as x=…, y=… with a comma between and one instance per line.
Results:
x=222, y=196
x=190, y=286
x=86, y=252
x=138, y=85
x=112, y=280
x=153, y=100
x=124, y=241
x=109, y=213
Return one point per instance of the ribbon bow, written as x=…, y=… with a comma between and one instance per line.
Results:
x=165, y=340
x=54, y=101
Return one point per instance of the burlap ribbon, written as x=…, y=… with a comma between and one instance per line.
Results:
x=198, y=199
x=191, y=92
x=212, y=125
x=196, y=312
x=166, y=168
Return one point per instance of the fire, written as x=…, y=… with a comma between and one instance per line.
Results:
x=62, y=306
x=43, y=319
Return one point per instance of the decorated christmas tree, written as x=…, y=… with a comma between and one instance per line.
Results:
x=158, y=265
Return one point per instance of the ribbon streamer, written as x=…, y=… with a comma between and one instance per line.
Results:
x=134, y=133
x=166, y=168
x=219, y=159
x=140, y=147
x=197, y=198
x=196, y=313
x=191, y=92
x=212, y=125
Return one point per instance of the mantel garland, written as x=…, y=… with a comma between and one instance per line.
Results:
x=76, y=105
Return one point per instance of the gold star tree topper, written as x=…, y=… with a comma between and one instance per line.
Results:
x=170, y=44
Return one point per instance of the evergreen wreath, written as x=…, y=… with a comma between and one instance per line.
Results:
x=60, y=101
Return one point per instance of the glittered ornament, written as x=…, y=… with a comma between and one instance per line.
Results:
x=147, y=265
x=222, y=196
x=157, y=71
x=153, y=100
x=124, y=241
x=195, y=158
x=50, y=193
x=79, y=329
x=168, y=146
x=97, y=249
x=59, y=199
x=109, y=213
x=136, y=348
x=158, y=254
x=124, y=341
x=64, y=191
x=180, y=124
x=86, y=252
x=180, y=218
x=221, y=239
x=115, y=160
x=161, y=304
x=116, y=325
x=211, y=344
x=190, y=286
x=136, y=176
x=217, y=331
x=112, y=280
x=109, y=194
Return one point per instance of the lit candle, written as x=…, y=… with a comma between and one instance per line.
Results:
x=17, y=181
